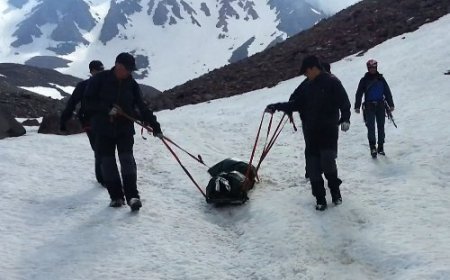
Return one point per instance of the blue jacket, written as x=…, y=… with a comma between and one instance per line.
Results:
x=374, y=88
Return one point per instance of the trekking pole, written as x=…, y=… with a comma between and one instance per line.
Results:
x=197, y=158
x=291, y=119
x=389, y=113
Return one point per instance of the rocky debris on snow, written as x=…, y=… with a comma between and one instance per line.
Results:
x=9, y=127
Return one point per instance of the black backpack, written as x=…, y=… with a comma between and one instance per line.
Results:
x=228, y=184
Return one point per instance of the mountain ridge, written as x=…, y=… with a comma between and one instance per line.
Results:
x=71, y=33
x=351, y=31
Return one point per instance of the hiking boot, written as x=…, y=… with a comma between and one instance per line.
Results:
x=135, y=204
x=373, y=151
x=380, y=150
x=117, y=202
x=321, y=204
x=337, y=201
x=336, y=197
x=321, y=207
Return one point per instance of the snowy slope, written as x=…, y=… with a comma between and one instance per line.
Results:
x=393, y=224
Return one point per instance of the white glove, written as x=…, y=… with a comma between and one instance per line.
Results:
x=345, y=126
x=114, y=111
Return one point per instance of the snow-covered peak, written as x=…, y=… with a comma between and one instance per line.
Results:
x=191, y=36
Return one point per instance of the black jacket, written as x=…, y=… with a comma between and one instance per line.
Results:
x=373, y=84
x=321, y=102
x=75, y=98
x=104, y=91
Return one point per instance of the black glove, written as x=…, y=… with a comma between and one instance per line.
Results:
x=271, y=108
x=159, y=134
x=157, y=131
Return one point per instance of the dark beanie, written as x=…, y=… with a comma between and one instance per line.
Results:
x=309, y=62
x=127, y=60
x=96, y=65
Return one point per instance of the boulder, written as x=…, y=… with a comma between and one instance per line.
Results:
x=9, y=127
x=30, y=122
x=51, y=125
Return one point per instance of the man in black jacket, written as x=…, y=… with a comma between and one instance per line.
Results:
x=95, y=66
x=323, y=105
x=105, y=93
x=327, y=68
x=376, y=92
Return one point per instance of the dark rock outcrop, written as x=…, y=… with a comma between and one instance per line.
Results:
x=9, y=127
x=30, y=122
x=26, y=104
x=48, y=62
x=351, y=31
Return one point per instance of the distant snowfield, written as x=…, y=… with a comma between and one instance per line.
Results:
x=24, y=119
x=45, y=91
x=332, y=7
x=68, y=89
x=393, y=223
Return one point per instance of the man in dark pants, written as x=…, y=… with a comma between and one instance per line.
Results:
x=376, y=91
x=95, y=66
x=323, y=105
x=110, y=95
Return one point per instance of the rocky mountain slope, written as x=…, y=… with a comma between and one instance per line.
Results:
x=351, y=31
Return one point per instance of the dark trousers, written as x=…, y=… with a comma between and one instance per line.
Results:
x=98, y=170
x=106, y=148
x=321, y=154
x=374, y=112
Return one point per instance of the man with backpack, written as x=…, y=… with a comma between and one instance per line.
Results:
x=323, y=105
x=95, y=66
x=377, y=95
x=113, y=96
